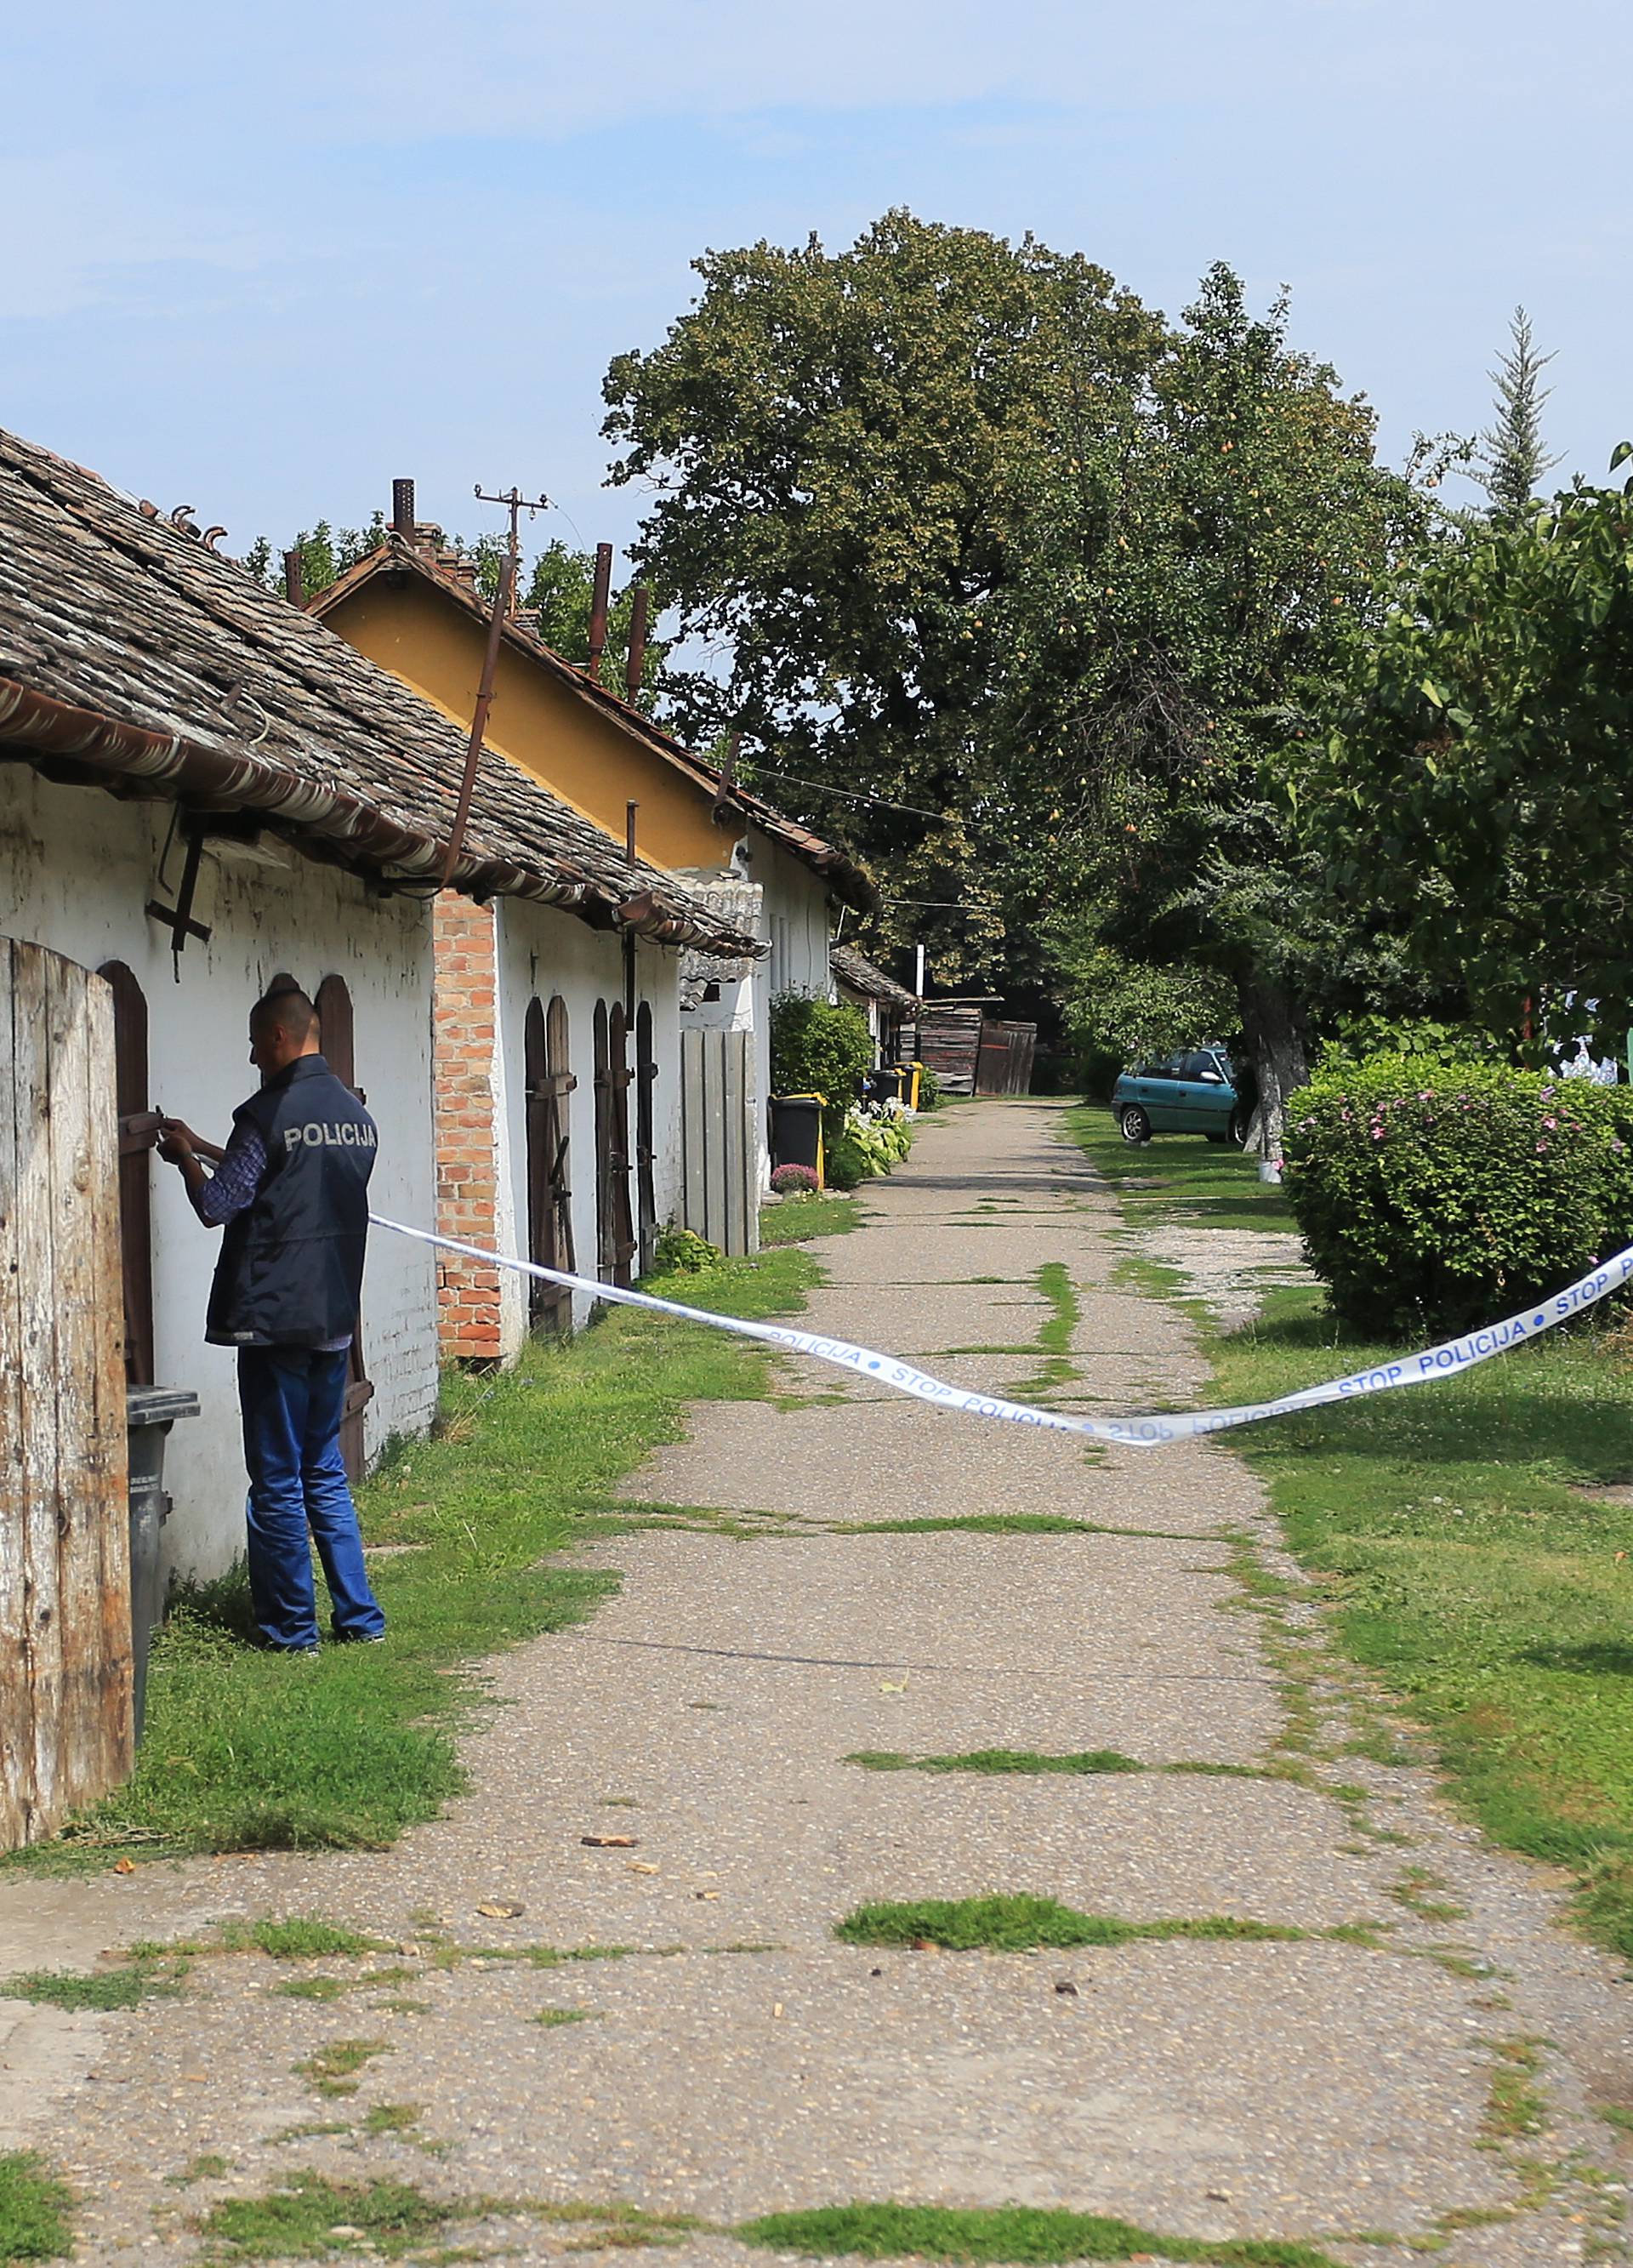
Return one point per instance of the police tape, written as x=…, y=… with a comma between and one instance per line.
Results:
x=1155, y=1431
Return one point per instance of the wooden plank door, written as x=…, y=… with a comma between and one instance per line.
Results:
x=615, y=1233
x=645, y=1137
x=335, y=1029
x=66, y=1733
x=549, y=1192
x=138, y=1134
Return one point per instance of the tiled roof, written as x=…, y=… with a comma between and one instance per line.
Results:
x=860, y=976
x=130, y=652
x=427, y=558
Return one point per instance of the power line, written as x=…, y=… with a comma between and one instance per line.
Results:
x=845, y=794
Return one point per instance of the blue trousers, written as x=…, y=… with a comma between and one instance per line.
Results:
x=293, y=1400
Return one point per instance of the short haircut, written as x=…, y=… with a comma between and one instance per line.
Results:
x=287, y=1006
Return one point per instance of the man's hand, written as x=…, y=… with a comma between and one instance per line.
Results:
x=177, y=1142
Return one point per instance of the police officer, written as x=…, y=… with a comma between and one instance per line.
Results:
x=290, y=1191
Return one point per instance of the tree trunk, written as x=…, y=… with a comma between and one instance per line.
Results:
x=1273, y=1021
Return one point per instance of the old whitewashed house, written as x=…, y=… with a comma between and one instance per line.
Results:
x=201, y=788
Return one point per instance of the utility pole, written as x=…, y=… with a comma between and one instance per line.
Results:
x=515, y=504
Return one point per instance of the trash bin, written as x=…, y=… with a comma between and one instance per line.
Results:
x=883, y=1084
x=909, y=1075
x=149, y=1413
x=797, y=1130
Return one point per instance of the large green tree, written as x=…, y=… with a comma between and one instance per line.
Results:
x=834, y=443
x=1475, y=787
x=1183, y=587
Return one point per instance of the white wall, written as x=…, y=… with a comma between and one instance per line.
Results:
x=796, y=923
x=77, y=868
x=542, y=952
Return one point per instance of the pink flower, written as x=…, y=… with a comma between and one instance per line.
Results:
x=1378, y=1133
x=1550, y=1121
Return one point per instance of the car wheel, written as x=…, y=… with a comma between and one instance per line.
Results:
x=1135, y=1126
x=1241, y=1118
x=1218, y=1137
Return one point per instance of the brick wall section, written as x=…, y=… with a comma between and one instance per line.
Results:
x=464, y=1029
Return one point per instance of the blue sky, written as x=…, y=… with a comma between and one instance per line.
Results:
x=262, y=262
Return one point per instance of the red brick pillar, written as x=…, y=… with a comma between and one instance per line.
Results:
x=465, y=1030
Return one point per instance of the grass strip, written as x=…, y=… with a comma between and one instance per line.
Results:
x=1015, y=2234
x=1030, y=1763
x=1055, y=1283
x=795, y=1220
x=1454, y=1527
x=1019, y=1923
x=1023, y=1761
x=33, y=2209
x=246, y=1750
x=308, y=2218
x=101, y=1991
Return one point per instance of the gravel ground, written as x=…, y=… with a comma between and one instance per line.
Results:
x=738, y=2059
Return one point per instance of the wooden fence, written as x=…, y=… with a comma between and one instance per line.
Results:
x=65, y=1666
x=720, y=1197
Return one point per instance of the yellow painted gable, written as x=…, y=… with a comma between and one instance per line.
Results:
x=540, y=725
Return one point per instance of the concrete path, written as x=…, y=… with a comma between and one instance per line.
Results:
x=782, y=1618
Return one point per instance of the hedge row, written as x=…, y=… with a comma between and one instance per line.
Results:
x=1437, y=1197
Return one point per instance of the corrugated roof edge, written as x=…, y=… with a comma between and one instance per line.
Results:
x=848, y=880
x=345, y=828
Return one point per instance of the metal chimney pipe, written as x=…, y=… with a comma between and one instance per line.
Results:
x=630, y=808
x=403, y=508
x=294, y=578
x=602, y=591
x=635, y=660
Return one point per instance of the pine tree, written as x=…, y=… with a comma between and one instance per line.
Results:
x=1511, y=452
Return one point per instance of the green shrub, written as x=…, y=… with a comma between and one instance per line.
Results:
x=819, y=1047
x=929, y=1089
x=682, y=1252
x=1436, y=1196
x=843, y=1164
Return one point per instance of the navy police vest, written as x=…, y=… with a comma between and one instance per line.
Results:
x=291, y=1270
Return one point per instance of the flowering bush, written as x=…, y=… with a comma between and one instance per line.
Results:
x=1435, y=1197
x=794, y=1182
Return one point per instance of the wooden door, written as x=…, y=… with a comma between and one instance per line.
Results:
x=549, y=1192
x=615, y=1234
x=138, y=1132
x=65, y=1667
x=333, y=1003
x=646, y=1139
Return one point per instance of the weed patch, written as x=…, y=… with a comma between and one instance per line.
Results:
x=1016, y=2235
x=33, y=2210
x=1019, y=1923
x=312, y=2219
x=332, y=2068
x=1022, y=1760
x=99, y=1990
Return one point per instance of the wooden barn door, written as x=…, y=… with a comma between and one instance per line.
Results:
x=138, y=1132
x=65, y=1667
x=335, y=1019
x=645, y=1140
x=615, y=1234
x=549, y=1192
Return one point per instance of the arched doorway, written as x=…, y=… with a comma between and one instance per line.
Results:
x=549, y=1192
x=138, y=1132
x=645, y=1078
x=615, y=1234
x=336, y=1031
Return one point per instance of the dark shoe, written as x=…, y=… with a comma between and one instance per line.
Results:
x=359, y=1638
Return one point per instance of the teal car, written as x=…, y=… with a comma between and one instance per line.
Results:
x=1194, y=1091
